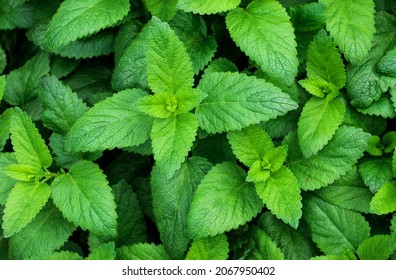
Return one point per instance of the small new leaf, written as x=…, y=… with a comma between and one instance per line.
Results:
x=22, y=172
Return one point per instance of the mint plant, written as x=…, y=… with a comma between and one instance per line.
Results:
x=153, y=129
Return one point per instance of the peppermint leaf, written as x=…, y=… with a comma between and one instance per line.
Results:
x=375, y=172
x=265, y=247
x=210, y=248
x=378, y=247
x=383, y=201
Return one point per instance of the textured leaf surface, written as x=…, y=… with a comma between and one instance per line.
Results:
x=223, y=201
x=22, y=172
x=24, y=202
x=318, y=122
x=204, y=7
x=334, y=160
x=378, y=247
x=384, y=201
x=103, y=252
x=143, y=251
x=5, y=124
x=265, y=247
x=266, y=23
x=172, y=197
x=163, y=9
x=6, y=182
x=210, y=248
x=77, y=19
x=84, y=197
x=235, y=101
x=114, y=122
x=281, y=194
x=333, y=228
x=351, y=23
x=28, y=145
x=16, y=14
x=375, y=172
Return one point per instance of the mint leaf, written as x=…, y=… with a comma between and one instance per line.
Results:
x=351, y=24
x=345, y=255
x=163, y=9
x=28, y=145
x=84, y=198
x=22, y=172
x=383, y=107
x=210, y=248
x=172, y=198
x=172, y=139
x=250, y=144
x=142, y=251
x=7, y=183
x=235, y=101
x=3, y=64
x=386, y=65
x=265, y=248
x=210, y=213
x=334, y=160
x=23, y=204
x=70, y=21
x=383, y=201
x=63, y=255
x=16, y=14
x=319, y=87
x=318, y=122
x=47, y=232
x=375, y=172
x=114, y=122
x=5, y=124
x=378, y=247
x=203, y=7
x=103, y=252
x=281, y=194
x=266, y=23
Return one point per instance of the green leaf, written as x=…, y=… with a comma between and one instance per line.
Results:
x=169, y=68
x=210, y=248
x=384, y=201
x=333, y=228
x=22, y=172
x=131, y=223
x=7, y=183
x=23, y=84
x=221, y=65
x=389, y=141
x=23, y=204
x=378, y=247
x=62, y=67
x=394, y=164
x=28, y=145
x=127, y=33
x=344, y=256
x=265, y=248
x=204, y=7
x=64, y=255
x=114, y=122
x=84, y=198
x=142, y=251
x=223, y=201
x=16, y=14
x=334, y=160
x=281, y=194
x=76, y=19
x=386, y=66
x=250, y=144
x=236, y=101
x=382, y=107
x=319, y=87
x=104, y=252
x=172, y=197
x=215, y=148
x=375, y=172
x=348, y=192
x=5, y=124
x=62, y=107
x=47, y=232
x=318, y=122
x=172, y=139
x=351, y=24
x=266, y=23
x=364, y=83
x=3, y=64
x=2, y=84
x=163, y=9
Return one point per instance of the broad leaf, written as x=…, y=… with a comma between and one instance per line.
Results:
x=84, y=198
x=23, y=204
x=77, y=19
x=23, y=172
x=375, y=172
x=204, y=7
x=383, y=107
x=210, y=248
x=384, y=201
x=236, y=100
x=103, y=252
x=7, y=183
x=163, y=9
x=223, y=201
x=16, y=14
x=114, y=122
x=266, y=23
x=142, y=251
x=377, y=247
x=387, y=64
x=333, y=228
x=265, y=248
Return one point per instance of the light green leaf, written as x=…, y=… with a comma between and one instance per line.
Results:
x=23, y=204
x=28, y=145
x=318, y=122
x=169, y=68
x=384, y=201
x=84, y=198
x=163, y=9
x=62, y=107
x=236, y=101
x=78, y=19
x=281, y=194
x=377, y=247
x=142, y=251
x=104, y=252
x=221, y=65
x=172, y=197
x=351, y=24
x=250, y=144
x=223, y=201
x=22, y=172
x=210, y=248
x=345, y=255
x=375, y=172
x=47, y=232
x=64, y=255
x=204, y=7
x=188, y=99
x=334, y=160
x=333, y=228
x=266, y=23
x=6, y=182
x=172, y=139
x=319, y=87
x=114, y=122
x=265, y=248
x=5, y=124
